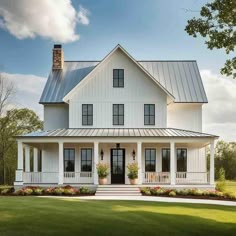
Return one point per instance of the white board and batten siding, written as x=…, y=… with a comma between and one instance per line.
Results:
x=56, y=116
x=138, y=90
x=185, y=116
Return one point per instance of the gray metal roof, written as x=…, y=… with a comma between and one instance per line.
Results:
x=121, y=132
x=180, y=78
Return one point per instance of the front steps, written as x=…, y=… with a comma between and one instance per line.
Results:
x=117, y=190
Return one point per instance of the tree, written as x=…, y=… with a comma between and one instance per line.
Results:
x=15, y=122
x=218, y=25
x=6, y=93
x=225, y=157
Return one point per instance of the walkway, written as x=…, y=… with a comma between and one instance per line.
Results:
x=154, y=199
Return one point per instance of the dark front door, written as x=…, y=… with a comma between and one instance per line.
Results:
x=117, y=166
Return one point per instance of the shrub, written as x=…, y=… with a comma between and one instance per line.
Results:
x=220, y=185
x=102, y=170
x=183, y=192
x=132, y=170
x=146, y=191
x=84, y=190
x=48, y=191
x=172, y=193
x=38, y=191
x=27, y=191
x=231, y=195
x=58, y=191
x=6, y=190
x=70, y=191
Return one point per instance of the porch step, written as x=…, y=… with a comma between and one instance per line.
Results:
x=119, y=190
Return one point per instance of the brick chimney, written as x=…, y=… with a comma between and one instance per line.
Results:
x=57, y=57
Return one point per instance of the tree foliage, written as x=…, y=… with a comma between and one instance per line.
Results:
x=225, y=158
x=218, y=25
x=15, y=122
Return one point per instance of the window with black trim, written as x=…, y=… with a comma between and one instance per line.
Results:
x=69, y=159
x=87, y=114
x=118, y=78
x=39, y=160
x=149, y=114
x=181, y=159
x=86, y=160
x=165, y=160
x=118, y=114
x=150, y=160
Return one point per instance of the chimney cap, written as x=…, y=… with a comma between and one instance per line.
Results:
x=57, y=46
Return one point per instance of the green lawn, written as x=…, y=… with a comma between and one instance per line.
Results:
x=44, y=216
x=230, y=186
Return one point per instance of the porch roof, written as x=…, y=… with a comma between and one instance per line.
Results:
x=119, y=132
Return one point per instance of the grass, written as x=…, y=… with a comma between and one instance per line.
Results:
x=230, y=186
x=55, y=216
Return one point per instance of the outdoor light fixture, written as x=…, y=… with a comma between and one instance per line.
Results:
x=133, y=154
x=102, y=153
x=117, y=145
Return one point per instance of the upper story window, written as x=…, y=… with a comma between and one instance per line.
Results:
x=149, y=114
x=181, y=159
x=69, y=160
x=87, y=114
x=86, y=160
x=150, y=160
x=118, y=78
x=118, y=114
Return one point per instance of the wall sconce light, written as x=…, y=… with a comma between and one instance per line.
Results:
x=133, y=154
x=102, y=153
x=118, y=145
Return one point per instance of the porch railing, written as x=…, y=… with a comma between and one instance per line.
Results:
x=156, y=177
x=78, y=177
x=192, y=177
x=40, y=177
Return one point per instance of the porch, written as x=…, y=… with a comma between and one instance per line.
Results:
x=166, y=161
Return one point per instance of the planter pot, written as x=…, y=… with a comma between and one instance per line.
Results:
x=102, y=181
x=133, y=181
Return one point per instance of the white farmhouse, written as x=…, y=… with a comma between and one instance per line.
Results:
x=118, y=111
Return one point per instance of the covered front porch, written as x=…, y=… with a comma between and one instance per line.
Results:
x=167, y=161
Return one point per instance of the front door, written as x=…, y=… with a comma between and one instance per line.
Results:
x=117, y=166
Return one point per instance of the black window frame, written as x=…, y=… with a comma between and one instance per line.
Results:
x=86, y=160
x=151, y=162
x=149, y=115
x=69, y=160
x=181, y=167
x=85, y=117
x=165, y=161
x=119, y=77
x=39, y=160
x=118, y=116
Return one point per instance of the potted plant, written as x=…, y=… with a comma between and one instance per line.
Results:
x=103, y=172
x=133, y=172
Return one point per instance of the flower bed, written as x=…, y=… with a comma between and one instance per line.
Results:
x=188, y=193
x=56, y=191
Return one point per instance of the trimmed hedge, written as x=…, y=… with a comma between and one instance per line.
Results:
x=158, y=191
x=57, y=191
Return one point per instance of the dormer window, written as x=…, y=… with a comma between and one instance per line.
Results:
x=118, y=78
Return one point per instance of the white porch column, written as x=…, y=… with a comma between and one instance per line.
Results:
x=212, y=163
x=172, y=163
x=60, y=163
x=27, y=158
x=19, y=171
x=35, y=164
x=139, y=160
x=96, y=158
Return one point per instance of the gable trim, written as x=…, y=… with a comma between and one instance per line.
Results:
x=68, y=95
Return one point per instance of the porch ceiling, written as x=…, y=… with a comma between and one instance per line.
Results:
x=121, y=132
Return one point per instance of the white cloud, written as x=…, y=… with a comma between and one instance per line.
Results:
x=52, y=19
x=219, y=115
x=83, y=16
x=28, y=89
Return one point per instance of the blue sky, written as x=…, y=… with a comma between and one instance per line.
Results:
x=89, y=29
x=149, y=29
